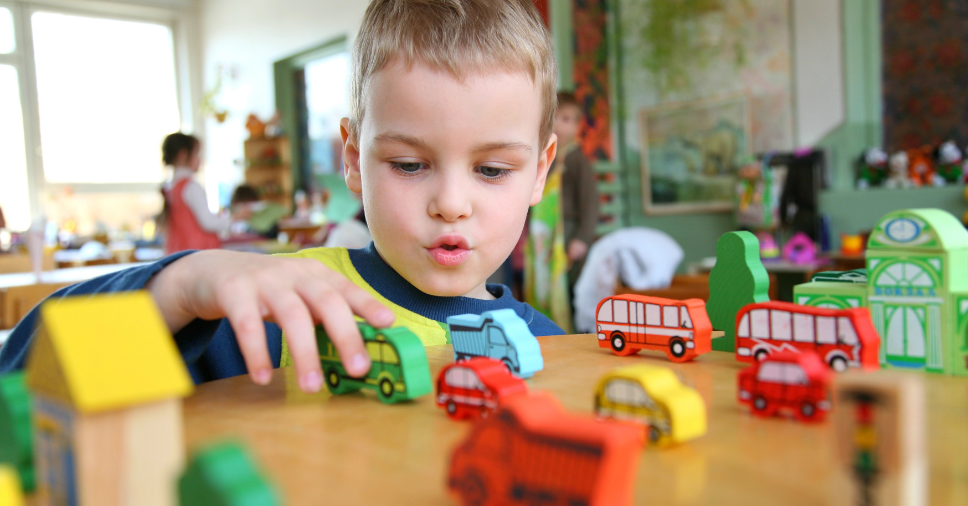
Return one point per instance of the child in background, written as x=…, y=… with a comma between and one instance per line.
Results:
x=186, y=218
x=255, y=215
x=579, y=187
x=449, y=141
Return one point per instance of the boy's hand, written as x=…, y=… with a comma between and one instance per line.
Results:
x=247, y=288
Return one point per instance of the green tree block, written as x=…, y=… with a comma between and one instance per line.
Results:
x=16, y=445
x=738, y=279
x=225, y=475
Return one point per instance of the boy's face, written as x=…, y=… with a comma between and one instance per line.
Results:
x=567, y=122
x=447, y=170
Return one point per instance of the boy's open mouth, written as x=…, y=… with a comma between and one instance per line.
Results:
x=449, y=250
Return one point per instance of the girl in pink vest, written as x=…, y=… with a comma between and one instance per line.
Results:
x=189, y=223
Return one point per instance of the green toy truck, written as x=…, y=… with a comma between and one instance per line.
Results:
x=399, y=371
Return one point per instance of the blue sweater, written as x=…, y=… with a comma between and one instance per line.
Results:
x=209, y=347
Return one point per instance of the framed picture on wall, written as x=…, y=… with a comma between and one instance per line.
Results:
x=690, y=152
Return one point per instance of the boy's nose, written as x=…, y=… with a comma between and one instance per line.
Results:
x=450, y=201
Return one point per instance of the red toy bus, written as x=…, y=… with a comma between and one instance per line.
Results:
x=630, y=323
x=533, y=452
x=475, y=387
x=840, y=337
x=798, y=382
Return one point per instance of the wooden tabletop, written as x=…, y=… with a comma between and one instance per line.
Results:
x=353, y=449
x=65, y=276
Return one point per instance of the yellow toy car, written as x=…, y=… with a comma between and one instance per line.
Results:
x=653, y=396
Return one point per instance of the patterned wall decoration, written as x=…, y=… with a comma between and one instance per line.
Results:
x=925, y=72
x=591, y=77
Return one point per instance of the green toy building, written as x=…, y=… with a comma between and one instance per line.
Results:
x=834, y=290
x=224, y=475
x=917, y=290
x=737, y=279
x=16, y=446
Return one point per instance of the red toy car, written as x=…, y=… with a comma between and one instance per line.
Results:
x=787, y=380
x=475, y=387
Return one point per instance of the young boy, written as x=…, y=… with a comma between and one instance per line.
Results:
x=449, y=141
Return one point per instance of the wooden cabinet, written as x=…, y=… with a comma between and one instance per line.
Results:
x=267, y=169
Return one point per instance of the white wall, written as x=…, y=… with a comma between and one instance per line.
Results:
x=817, y=68
x=247, y=36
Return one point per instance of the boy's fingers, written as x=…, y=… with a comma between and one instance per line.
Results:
x=242, y=311
x=290, y=313
x=365, y=305
x=333, y=311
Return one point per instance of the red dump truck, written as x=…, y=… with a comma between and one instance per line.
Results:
x=533, y=452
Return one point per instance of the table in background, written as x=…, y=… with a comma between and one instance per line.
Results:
x=353, y=449
x=20, y=292
x=787, y=274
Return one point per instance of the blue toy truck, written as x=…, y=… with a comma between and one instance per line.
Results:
x=501, y=335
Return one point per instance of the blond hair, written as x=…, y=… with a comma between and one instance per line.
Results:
x=457, y=36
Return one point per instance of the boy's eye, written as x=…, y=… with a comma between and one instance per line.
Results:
x=491, y=172
x=407, y=166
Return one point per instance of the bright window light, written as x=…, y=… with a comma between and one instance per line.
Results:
x=13, y=162
x=7, y=41
x=326, y=103
x=107, y=95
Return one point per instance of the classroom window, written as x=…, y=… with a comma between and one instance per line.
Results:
x=7, y=40
x=98, y=96
x=13, y=160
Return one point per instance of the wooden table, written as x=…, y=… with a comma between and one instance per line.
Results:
x=354, y=450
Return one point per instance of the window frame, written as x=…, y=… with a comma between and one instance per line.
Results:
x=188, y=83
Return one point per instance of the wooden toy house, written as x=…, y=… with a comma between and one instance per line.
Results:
x=916, y=289
x=107, y=383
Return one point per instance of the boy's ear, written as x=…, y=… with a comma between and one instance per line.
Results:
x=545, y=159
x=351, y=157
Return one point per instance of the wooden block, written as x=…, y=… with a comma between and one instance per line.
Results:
x=879, y=425
x=399, y=371
x=738, y=279
x=17, y=301
x=10, y=491
x=831, y=294
x=671, y=412
x=16, y=448
x=531, y=450
x=628, y=324
x=225, y=474
x=501, y=335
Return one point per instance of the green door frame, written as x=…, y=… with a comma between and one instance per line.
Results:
x=284, y=76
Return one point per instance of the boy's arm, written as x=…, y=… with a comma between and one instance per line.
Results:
x=13, y=354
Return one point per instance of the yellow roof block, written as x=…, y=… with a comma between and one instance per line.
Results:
x=105, y=352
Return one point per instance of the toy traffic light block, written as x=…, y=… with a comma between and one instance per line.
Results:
x=842, y=338
x=10, y=492
x=738, y=279
x=106, y=383
x=787, y=381
x=531, y=451
x=476, y=387
x=225, y=475
x=501, y=335
x=653, y=396
x=16, y=446
x=399, y=370
x=880, y=437
x=628, y=324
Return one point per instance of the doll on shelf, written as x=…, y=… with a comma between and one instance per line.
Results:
x=898, y=171
x=949, y=162
x=872, y=168
x=921, y=168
